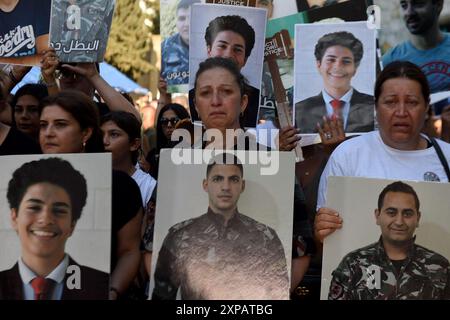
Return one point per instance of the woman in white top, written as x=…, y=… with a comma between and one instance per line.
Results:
x=397, y=151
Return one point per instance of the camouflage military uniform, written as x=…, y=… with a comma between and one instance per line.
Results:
x=424, y=275
x=175, y=60
x=208, y=260
x=96, y=17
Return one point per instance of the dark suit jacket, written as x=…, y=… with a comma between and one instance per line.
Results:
x=360, y=118
x=248, y=119
x=94, y=284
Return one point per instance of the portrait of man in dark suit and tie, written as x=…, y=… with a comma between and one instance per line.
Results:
x=338, y=56
x=46, y=198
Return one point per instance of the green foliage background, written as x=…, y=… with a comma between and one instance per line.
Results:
x=168, y=18
x=129, y=40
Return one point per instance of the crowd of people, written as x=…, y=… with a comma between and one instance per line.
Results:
x=74, y=110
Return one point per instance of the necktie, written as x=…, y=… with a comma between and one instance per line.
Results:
x=42, y=287
x=337, y=106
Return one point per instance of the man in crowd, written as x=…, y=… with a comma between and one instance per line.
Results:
x=232, y=37
x=428, y=47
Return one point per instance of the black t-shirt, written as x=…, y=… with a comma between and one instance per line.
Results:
x=17, y=142
x=126, y=201
x=20, y=28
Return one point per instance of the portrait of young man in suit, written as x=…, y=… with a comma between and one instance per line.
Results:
x=46, y=198
x=338, y=56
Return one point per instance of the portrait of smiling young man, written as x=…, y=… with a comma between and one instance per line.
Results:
x=46, y=198
x=338, y=56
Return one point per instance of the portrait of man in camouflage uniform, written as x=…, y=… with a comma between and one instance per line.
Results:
x=79, y=29
x=175, y=49
x=222, y=254
x=395, y=267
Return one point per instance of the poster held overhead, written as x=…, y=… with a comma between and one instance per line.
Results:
x=242, y=243
x=382, y=251
x=335, y=67
x=175, y=20
x=233, y=32
x=79, y=30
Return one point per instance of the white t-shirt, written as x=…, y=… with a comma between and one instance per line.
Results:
x=367, y=156
x=146, y=184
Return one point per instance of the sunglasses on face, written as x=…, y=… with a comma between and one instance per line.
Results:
x=173, y=121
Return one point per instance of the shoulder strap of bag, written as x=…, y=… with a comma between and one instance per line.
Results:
x=441, y=156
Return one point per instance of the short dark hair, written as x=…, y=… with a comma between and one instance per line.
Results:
x=85, y=112
x=186, y=4
x=403, y=69
x=342, y=38
x=51, y=170
x=224, y=63
x=128, y=123
x=224, y=159
x=234, y=23
x=398, y=186
x=38, y=91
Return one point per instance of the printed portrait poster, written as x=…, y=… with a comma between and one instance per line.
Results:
x=252, y=20
x=174, y=26
x=24, y=34
x=54, y=193
x=282, y=8
x=195, y=256
x=79, y=29
x=394, y=41
x=341, y=82
x=354, y=10
x=359, y=230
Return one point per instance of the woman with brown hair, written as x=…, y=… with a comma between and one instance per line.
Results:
x=69, y=123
